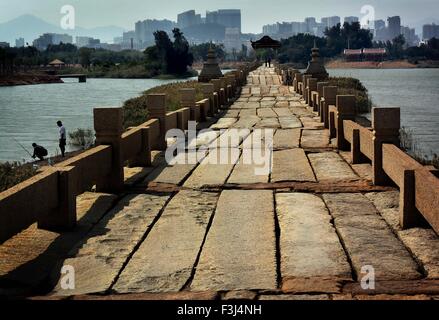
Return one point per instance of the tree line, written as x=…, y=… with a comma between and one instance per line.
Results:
x=297, y=48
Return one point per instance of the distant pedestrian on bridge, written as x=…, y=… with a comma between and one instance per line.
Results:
x=39, y=152
x=62, y=138
x=269, y=62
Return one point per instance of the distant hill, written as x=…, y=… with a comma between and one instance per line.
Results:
x=30, y=27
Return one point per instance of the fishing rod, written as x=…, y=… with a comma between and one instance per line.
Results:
x=22, y=147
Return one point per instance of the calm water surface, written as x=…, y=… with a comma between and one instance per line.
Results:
x=415, y=91
x=29, y=113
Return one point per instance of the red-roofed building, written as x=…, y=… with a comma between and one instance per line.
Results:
x=371, y=54
x=352, y=54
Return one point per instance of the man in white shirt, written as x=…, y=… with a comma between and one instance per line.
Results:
x=62, y=138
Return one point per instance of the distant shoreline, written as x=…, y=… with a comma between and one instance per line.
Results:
x=391, y=64
x=28, y=79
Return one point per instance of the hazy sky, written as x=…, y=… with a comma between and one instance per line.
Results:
x=255, y=13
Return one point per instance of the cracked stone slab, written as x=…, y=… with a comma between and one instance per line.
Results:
x=309, y=255
x=224, y=123
x=98, y=259
x=315, y=138
x=165, y=260
x=215, y=168
x=422, y=243
x=368, y=239
x=240, y=249
x=283, y=112
x=291, y=122
x=330, y=166
x=247, y=122
x=291, y=165
x=286, y=139
x=267, y=113
x=272, y=123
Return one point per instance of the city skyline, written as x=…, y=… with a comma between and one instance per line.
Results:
x=254, y=13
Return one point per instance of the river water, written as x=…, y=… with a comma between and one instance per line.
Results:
x=29, y=113
x=415, y=91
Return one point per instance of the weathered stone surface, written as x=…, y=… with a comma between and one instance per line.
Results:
x=215, y=168
x=311, y=123
x=392, y=297
x=247, y=113
x=166, y=296
x=164, y=261
x=300, y=110
x=315, y=139
x=291, y=297
x=422, y=243
x=240, y=295
x=283, y=112
x=247, y=174
x=98, y=259
x=267, y=113
x=247, y=122
x=329, y=166
x=229, y=260
x=368, y=239
x=290, y=122
x=28, y=258
x=230, y=138
x=224, y=123
x=268, y=123
x=308, y=255
x=291, y=165
x=286, y=139
x=176, y=173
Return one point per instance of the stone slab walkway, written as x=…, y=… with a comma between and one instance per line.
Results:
x=304, y=229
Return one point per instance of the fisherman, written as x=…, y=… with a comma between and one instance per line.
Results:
x=39, y=152
x=62, y=138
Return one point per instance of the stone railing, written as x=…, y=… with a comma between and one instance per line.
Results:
x=49, y=198
x=378, y=144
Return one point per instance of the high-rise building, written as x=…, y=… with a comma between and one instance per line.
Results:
x=394, y=28
x=351, y=19
x=232, y=41
x=144, y=30
x=329, y=22
x=430, y=31
x=19, y=43
x=42, y=42
x=229, y=18
x=311, y=23
x=270, y=29
x=411, y=39
x=87, y=42
x=188, y=18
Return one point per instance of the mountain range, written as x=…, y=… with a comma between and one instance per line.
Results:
x=30, y=27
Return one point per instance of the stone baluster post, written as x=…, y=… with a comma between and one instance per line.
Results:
x=187, y=96
x=108, y=125
x=312, y=86
x=329, y=94
x=157, y=110
x=346, y=109
x=386, y=126
x=217, y=84
x=208, y=90
x=320, y=86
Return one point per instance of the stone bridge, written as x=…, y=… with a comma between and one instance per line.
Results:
x=311, y=228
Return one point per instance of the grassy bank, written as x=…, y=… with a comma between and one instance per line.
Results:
x=135, y=112
x=133, y=71
x=354, y=87
x=12, y=173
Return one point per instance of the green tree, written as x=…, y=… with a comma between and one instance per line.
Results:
x=85, y=57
